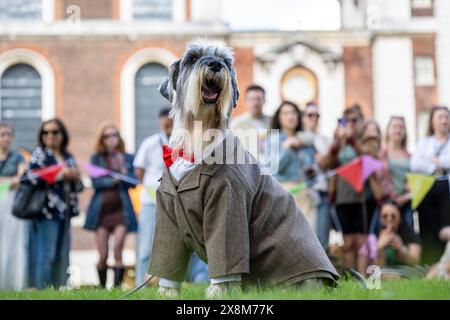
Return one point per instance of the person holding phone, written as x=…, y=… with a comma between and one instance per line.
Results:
x=348, y=203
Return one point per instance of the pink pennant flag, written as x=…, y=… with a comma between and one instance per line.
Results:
x=96, y=171
x=369, y=166
x=370, y=249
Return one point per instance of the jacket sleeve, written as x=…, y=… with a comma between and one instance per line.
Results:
x=101, y=183
x=129, y=159
x=226, y=228
x=420, y=161
x=287, y=156
x=170, y=255
x=38, y=161
x=76, y=186
x=444, y=158
x=329, y=159
x=283, y=158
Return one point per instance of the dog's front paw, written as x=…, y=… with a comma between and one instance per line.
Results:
x=218, y=290
x=169, y=293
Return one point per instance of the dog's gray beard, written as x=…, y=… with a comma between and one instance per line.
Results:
x=189, y=108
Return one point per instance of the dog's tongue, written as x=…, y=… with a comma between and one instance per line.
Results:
x=209, y=93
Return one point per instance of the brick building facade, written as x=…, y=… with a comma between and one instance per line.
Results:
x=88, y=54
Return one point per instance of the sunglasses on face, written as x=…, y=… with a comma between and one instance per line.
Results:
x=110, y=135
x=313, y=115
x=353, y=120
x=387, y=216
x=52, y=132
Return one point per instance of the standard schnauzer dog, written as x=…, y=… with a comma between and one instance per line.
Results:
x=239, y=220
x=202, y=87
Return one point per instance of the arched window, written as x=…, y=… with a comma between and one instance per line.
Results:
x=21, y=102
x=299, y=85
x=148, y=100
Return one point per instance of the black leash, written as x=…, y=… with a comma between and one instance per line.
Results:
x=142, y=285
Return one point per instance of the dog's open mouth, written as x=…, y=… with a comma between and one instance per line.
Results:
x=210, y=92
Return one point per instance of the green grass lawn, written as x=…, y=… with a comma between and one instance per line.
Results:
x=348, y=290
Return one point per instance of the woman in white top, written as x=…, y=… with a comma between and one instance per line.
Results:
x=432, y=156
x=13, y=231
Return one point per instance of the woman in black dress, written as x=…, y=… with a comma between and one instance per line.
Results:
x=110, y=212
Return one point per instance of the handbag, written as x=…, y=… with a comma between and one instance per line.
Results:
x=29, y=201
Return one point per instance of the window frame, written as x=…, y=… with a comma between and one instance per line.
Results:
x=47, y=14
x=43, y=67
x=422, y=11
x=179, y=12
x=421, y=80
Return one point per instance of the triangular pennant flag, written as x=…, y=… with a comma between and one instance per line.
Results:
x=151, y=191
x=4, y=188
x=96, y=171
x=124, y=178
x=352, y=173
x=135, y=196
x=369, y=166
x=49, y=173
x=298, y=188
x=419, y=185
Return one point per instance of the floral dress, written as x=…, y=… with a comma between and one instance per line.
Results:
x=62, y=196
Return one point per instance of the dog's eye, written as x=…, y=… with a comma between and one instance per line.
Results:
x=189, y=60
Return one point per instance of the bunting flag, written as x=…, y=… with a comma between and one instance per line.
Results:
x=151, y=191
x=124, y=178
x=352, y=173
x=369, y=249
x=4, y=188
x=96, y=171
x=135, y=196
x=419, y=185
x=49, y=173
x=369, y=166
x=298, y=188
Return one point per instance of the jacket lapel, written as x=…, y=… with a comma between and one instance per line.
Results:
x=191, y=180
x=167, y=183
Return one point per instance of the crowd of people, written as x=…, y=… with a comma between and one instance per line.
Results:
x=378, y=224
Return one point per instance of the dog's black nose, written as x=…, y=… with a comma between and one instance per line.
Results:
x=215, y=66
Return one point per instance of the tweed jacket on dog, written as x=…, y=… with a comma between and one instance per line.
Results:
x=238, y=220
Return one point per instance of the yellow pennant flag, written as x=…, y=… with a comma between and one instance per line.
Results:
x=135, y=196
x=151, y=191
x=419, y=185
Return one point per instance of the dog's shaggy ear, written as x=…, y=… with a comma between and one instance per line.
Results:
x=168, y=87
x=235, y=88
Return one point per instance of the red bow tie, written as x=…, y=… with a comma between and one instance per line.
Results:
x=170, y=155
